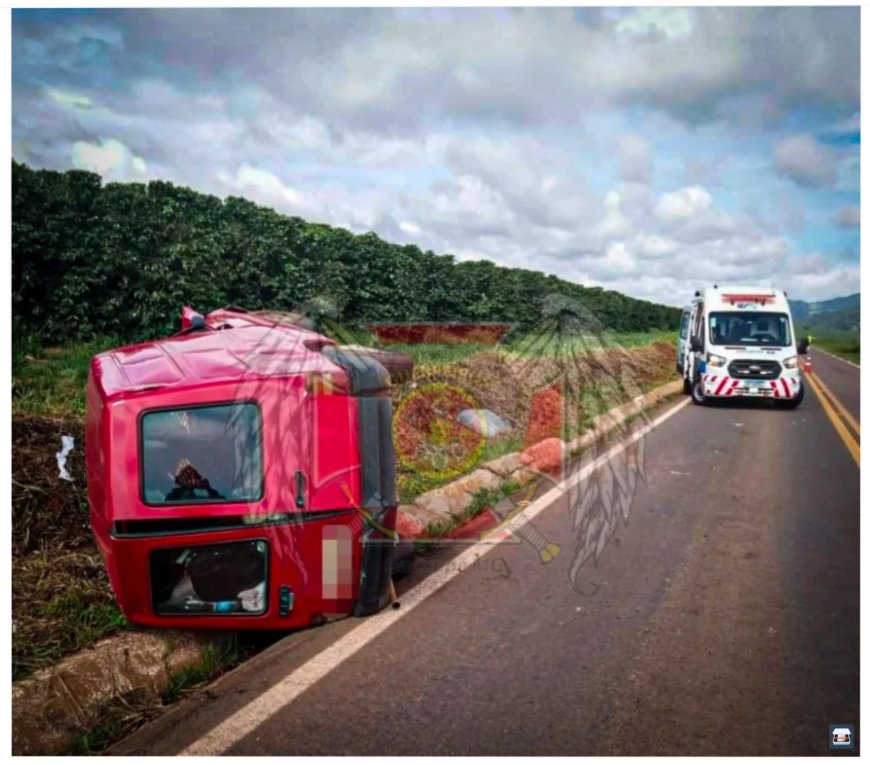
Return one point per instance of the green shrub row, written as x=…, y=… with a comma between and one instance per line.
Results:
x=120, y=259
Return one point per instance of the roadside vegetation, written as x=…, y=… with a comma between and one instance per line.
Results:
x=123, y=715
x=846, y=346
x=835, y=325
x=61, y=600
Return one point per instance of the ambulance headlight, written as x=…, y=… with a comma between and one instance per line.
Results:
x=715, y=361
x=791, y=362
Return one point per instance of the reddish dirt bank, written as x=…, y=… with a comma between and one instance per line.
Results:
x=61, y=599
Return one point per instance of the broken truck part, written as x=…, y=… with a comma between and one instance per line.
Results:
x=241, y=475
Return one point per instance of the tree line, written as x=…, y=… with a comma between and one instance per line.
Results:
x=91, y=260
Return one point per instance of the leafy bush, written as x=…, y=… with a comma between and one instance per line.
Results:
x=120, y=259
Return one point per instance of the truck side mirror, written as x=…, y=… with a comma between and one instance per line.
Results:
x=695, y=345
x=803, y=346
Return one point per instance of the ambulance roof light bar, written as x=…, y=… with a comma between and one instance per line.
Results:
x=746, y=298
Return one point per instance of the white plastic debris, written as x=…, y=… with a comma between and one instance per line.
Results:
x=66, y=446
x=484, y=421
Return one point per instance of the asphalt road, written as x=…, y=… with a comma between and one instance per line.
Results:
x=726, y=621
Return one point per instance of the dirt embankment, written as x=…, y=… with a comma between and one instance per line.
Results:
x=591, y=382
x=61, y=600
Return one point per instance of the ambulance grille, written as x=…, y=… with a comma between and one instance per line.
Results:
x=754, y=369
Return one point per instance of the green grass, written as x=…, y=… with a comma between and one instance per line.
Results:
x=51, y=381
x=447, y=353
x=438, y=353
x=481, y=500
x=215, y=659
x=412, y=484
x=543, y=346
x=62, y=604
x=843, y=343
x=845, y=346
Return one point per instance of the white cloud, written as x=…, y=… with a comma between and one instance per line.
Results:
x=262, y=185
x=807, y=162
x=110, y=158
x=657, y=246
x=68, y=99
x=684, y=203
x=615, y=223
x=674, y=23
x=635, y=160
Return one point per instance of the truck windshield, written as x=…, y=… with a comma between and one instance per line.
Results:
x=749, y=328
x=202, y=454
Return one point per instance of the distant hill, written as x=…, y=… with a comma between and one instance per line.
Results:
x=800, y=308
x=841, y=314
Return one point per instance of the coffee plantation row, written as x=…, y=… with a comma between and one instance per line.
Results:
x=92, y=260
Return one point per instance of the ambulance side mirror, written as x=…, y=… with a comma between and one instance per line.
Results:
x=803, y=346
x=695, y=345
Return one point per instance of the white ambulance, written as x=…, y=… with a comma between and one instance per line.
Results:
x=740, y=342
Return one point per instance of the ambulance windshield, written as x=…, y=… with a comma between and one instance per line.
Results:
x=749, y=328
x=202, y=454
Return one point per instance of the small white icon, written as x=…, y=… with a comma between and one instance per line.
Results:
x=841, y=737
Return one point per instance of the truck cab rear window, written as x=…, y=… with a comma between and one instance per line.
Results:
x=202, y=454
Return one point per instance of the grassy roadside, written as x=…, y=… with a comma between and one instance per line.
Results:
x=50, y=382
x=845, y=346
x=604, y=373
x=535, y=345
x=123, y=715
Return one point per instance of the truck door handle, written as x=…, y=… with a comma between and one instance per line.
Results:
x=300, y=489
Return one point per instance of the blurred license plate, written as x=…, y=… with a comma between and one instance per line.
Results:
x=756, y=383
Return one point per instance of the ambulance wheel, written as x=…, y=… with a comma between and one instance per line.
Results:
x=687, y=386
x=698, y=396
x=792, y=403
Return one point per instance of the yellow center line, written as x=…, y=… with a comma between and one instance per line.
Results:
x=842, y=411
x=845, y=435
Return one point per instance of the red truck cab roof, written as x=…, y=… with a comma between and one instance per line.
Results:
x=231, y=344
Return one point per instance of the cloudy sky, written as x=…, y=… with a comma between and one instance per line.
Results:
x=646, y=150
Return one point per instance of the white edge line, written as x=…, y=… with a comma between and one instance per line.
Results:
x=226, y=733
x=816, y=349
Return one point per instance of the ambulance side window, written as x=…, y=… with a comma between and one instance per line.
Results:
x=202, y=454
x=684, y=325
x=698, y=327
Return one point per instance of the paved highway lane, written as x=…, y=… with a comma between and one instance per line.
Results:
x=726, y=623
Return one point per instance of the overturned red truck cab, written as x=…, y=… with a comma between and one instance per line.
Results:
x=241, y=475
